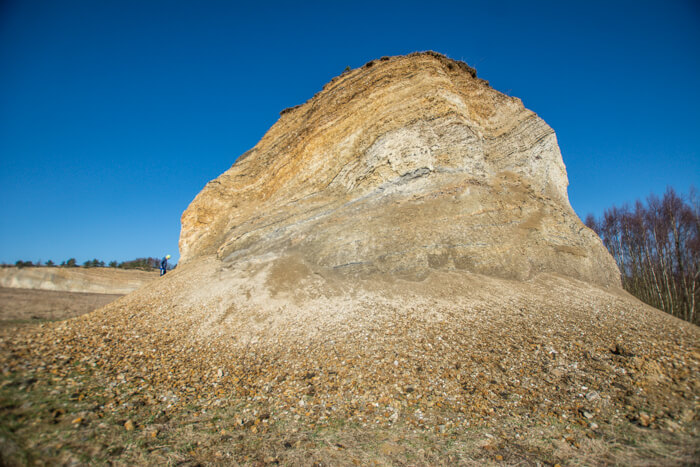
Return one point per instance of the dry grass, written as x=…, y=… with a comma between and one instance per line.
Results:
x=28, y=305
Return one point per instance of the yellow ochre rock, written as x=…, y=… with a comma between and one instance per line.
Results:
x=404, y=166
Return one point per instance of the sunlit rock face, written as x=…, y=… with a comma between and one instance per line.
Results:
x=404, y=166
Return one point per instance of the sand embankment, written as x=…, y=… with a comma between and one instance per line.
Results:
x=92, y=280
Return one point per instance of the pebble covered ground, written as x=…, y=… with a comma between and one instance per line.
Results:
x=497, y=372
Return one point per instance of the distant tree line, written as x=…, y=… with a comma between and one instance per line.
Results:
x=138, y=263
x=657, y=248
x=141, y=263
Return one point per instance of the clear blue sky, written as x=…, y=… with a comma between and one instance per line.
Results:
x=115, y=114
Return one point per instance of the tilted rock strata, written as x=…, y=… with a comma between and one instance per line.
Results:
x=409, y=165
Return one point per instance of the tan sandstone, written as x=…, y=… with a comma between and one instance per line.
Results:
x=404, y=166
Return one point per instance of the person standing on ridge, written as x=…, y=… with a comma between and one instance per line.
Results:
x=164, y=265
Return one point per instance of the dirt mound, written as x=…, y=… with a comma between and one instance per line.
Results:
x=481, y=345
x=552, y=370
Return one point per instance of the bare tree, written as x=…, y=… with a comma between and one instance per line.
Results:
x=657, y=249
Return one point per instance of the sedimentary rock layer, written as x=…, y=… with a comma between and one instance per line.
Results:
x=405, y=165
x=92, y=280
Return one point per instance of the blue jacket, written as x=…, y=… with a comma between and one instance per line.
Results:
x=164, y=263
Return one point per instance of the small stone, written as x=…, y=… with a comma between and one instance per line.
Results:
x=499, y=457
x=390, y=449
x=593, y=426
x=593, y=395
x=687, y=415
x=129, y=425
x=644, y=419
x=220, y=373
x=588, y=415
x=672, y=426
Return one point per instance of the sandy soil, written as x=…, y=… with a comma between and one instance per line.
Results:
x=453, y=370
x=26, y=305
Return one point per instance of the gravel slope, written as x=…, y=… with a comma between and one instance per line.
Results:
x=453, y=350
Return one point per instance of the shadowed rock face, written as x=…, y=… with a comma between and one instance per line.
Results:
x=406, y=165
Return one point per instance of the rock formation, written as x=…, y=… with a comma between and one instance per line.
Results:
x=403, y=166
x=396, y=253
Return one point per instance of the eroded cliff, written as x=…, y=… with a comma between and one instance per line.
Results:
x=405, y=165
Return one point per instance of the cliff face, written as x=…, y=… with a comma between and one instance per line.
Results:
x=403, y=166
